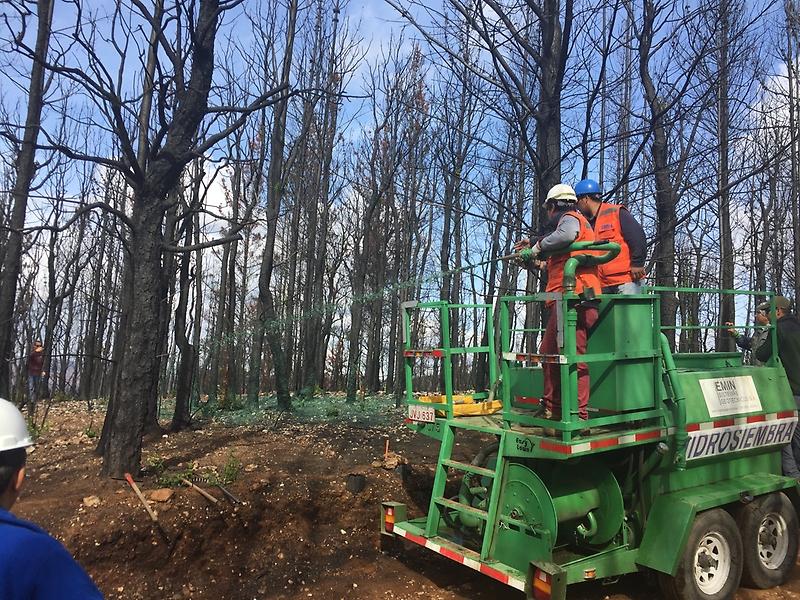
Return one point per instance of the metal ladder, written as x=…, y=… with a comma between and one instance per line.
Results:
x=440, y=504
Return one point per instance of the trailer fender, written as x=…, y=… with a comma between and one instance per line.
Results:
x=665, y=535
x=670, y=520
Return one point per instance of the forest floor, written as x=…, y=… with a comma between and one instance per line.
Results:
x=298, y=532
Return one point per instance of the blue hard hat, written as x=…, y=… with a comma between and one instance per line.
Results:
x=587, y=187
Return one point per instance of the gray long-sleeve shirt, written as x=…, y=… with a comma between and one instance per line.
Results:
x=566, y=232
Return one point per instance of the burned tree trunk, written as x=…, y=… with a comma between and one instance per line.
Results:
x=25, y=170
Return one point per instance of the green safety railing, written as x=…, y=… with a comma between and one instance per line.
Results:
x=569, y=426
x=445, y=352
x=773, y=359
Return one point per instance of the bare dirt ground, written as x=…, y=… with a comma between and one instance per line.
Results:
x=298, y=532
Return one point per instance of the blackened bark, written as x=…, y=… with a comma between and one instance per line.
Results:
x=122, y=452
x=269, y=323
x=25, y=170
x=666, y=198
x=140, y=368
x=181, y=418
x=727, y=314
x=554, y=51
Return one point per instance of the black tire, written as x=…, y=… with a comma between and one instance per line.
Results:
x=769, y=538
x=714, y=547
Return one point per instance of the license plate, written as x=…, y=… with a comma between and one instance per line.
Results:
x=423, y=414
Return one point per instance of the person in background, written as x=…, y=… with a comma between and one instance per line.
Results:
x=788, y=331
x=35, y=366
x=613, y=223
x=752, y=343
x=33, y=565
x=571, y=227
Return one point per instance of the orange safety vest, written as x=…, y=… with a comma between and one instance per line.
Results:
x=607, y=228
x=585, y=276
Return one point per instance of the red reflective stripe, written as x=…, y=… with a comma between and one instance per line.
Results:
x=415, y=538
x=693, y=427
x=437, y=353
x=527, y=400
x=494, y=573
x=786, y=414
x=723, y=423
x=407, y=420
x=551, y=447
x=651, y=435
x=451, y=555
x=756, y=418
x=605, y=443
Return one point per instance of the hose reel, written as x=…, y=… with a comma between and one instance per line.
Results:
x=579, y=501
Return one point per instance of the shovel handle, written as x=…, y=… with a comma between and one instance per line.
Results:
x=200, y=490
x=141, y=497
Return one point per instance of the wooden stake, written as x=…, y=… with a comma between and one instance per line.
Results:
x=386, y=451
x=200, y=490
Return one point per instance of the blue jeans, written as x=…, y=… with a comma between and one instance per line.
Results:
x=33, y=388
x=790, y=455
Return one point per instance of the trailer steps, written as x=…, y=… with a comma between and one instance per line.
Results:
x=467, y=468
x=465, y=508
x=440, y=507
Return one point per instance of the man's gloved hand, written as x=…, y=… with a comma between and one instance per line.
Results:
x=526, y=254
x=522, y=244
x=529, y=254
x=638, y=273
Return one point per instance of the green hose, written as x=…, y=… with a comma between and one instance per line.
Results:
x=679, y=398
x=573, y=262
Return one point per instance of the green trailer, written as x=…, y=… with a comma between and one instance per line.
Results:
x=677, y=471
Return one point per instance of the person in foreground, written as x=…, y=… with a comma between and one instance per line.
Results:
x=33, y=565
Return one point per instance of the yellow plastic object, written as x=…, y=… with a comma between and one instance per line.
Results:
x=478, y=408
x=464, y=405
x=442, y=399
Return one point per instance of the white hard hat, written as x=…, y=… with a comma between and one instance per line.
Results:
x=13, y=429
x=562, y=192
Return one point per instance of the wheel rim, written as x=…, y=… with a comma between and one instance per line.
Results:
x=773, y=541
x=712, y=563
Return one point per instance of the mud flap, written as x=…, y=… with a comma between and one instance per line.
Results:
x=666, y=533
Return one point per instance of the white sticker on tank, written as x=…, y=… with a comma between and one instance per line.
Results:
x=730, y=396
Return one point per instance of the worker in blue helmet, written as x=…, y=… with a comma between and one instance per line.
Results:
x=613, y=223
x=33, y=565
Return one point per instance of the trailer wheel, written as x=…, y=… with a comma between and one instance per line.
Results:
x=769, y=535
x=711, y=565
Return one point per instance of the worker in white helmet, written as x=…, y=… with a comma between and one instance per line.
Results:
x=33, y=565
x=570, y=227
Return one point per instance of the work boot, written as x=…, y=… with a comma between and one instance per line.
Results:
x=548, y=431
